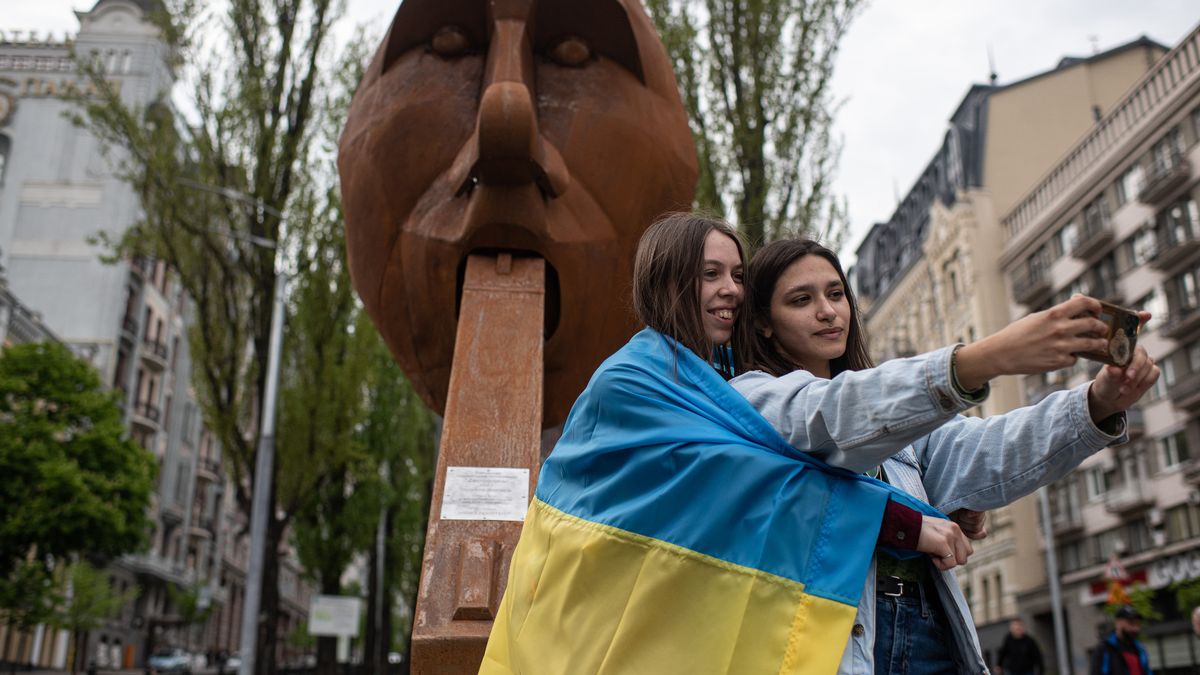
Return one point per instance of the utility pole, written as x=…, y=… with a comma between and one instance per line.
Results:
x=263, y=479
x=1056, y=605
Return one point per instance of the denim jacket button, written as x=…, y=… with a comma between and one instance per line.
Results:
x=945, y=400
x=858, y=630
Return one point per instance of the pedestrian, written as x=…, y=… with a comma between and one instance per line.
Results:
x=1196, y=620
x=1020, y=654
x=1121, y=653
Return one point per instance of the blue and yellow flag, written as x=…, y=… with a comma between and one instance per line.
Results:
x=673, y=530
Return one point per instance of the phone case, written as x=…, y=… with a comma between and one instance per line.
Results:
x=1123, y=328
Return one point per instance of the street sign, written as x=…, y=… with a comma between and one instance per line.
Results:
x=1114, y=570
x=334, y=615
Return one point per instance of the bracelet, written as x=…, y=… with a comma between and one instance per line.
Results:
x=954, y=376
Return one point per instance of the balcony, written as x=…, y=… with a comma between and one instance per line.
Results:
x=209, y=470
x=1097, y=286
x=1096, y=234
x=1190, y=471
x=154, y=353
x=1166, y=174
x=1066, y=524
x=1128, y=499
x=129, y=328
x=1135, y=423
x=1176, y=247
x=1183, y=322
x=1031, y=286
x=141, y=268
x=1185, y=393
x=146, y=414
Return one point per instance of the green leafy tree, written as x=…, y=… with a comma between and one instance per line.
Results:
x=27, y=598
x=72, y=483
x=192, y=606
x=88, y=601
x=755, y=78
x=1141, y=598
x=217, y=184
x=399, y=432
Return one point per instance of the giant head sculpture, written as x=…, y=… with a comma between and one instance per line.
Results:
x=541, y=127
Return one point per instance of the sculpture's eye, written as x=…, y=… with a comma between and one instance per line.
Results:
x=450, y=41
x=572, y=52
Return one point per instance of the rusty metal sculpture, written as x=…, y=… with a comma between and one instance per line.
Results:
x=544, y=127
x=499, y=163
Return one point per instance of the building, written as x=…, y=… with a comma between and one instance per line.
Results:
x=58, y=192
x=929, y=276
x=1117, y=218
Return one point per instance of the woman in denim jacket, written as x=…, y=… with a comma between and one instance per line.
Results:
x=913, y=617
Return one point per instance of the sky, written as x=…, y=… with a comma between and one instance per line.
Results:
x=904, y=66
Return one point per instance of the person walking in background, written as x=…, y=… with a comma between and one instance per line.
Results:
x=1196, y=620
x=1121, y=653
x=1020, y=654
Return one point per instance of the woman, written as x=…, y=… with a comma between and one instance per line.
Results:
x=674, y=531
x=808, y=331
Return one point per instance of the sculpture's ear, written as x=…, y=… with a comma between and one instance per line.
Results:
x=417, y=21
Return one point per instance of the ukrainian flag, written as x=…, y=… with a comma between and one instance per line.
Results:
x=674, y=531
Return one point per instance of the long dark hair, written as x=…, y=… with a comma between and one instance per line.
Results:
x=766, y=268
x=666, y=278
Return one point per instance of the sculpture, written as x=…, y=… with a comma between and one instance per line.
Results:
x=548, y=128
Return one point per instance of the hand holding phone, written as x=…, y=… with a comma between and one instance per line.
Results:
x=1123, y=328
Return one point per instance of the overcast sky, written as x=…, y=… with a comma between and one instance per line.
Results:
x=904, y=67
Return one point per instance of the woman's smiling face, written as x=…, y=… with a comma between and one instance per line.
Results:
x=810, y=314
x=720, y=287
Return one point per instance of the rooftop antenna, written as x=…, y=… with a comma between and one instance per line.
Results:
x=1095, y=40
x=992, y=76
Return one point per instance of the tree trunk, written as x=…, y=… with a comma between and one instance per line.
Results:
x=12, y=663
x=326, y=645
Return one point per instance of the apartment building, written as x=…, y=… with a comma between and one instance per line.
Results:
x=929, y=276
x=130, y=320
x=1117, y=218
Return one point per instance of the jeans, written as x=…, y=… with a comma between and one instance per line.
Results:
x=912, y=636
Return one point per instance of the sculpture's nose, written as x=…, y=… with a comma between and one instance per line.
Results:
x=510, y=149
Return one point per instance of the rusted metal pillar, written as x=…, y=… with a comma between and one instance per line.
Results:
x=493, y=421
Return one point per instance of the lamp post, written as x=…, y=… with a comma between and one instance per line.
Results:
x=265, y=454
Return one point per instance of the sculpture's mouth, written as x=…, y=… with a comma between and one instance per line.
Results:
x=552, y=311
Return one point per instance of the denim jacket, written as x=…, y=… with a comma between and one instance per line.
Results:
x=903, y=414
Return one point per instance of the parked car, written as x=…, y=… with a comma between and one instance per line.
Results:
x=175, y=660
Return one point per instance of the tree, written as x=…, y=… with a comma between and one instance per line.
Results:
x=72, y=483
x=214, y=185
x=754, y=77
x=399, y=432
x=27, y=598
x=192, y=606
x=87, y=602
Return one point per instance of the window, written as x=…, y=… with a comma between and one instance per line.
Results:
x=1165, y=152
x=1188, y=287
x=1155, y=303
x=1167, y=366
x=5, y=147
x=1142, y=247
x=1098, y=482
x=1173, y=449
x=1128, y=184
x=1067, y=237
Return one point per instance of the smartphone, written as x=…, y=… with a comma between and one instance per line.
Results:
x=1123, y=328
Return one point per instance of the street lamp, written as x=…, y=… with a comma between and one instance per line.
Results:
x=265, y=456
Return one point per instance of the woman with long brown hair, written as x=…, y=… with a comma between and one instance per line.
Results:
x=912, y=616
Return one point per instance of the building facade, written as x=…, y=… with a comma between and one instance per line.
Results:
x=929, y=276
x=1117, y=219
x=58, y=194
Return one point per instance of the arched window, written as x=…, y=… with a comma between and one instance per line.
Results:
x=5, y=147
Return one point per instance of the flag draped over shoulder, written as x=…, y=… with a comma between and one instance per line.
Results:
x=674, y=531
